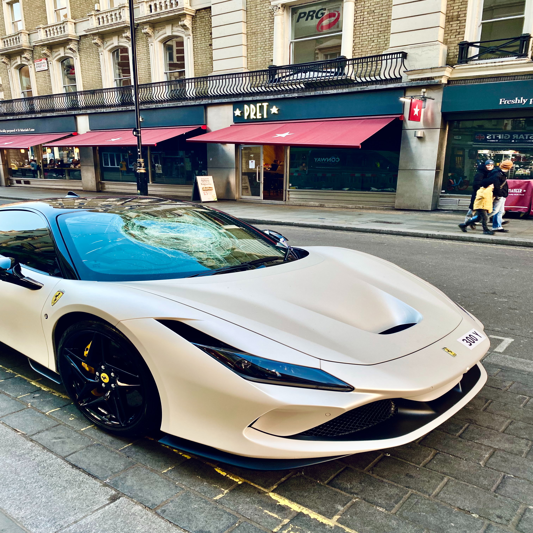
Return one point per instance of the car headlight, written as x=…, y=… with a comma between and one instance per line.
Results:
x=262, y=370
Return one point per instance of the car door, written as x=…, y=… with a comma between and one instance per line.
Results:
x=25, y=236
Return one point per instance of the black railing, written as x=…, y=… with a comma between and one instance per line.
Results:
x=495, y=49
x=301, y=78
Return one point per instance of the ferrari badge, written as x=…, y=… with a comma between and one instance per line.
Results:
x=57, y=297
x=452, y=353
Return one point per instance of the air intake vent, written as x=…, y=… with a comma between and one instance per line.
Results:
x=357, y=419
x=397, y=329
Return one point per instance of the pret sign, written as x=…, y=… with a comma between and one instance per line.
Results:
x=256, y=111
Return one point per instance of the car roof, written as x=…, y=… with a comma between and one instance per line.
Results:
x=52, y=207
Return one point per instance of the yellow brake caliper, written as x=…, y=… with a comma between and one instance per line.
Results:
x=85, y=354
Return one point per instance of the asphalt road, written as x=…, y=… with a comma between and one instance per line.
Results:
x=493, y=282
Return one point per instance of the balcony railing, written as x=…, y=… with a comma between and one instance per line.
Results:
x=16, y=41
x=57, y=32
x=340, y=73
x=495, y=49
x=158, y=10
x=109, y=19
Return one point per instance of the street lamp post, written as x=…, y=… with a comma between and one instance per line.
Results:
x=142, y=182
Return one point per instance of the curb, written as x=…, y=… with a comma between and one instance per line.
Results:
x=405, y=233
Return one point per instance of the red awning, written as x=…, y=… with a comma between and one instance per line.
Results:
x=25, y=141
x=150, y=137
x=343, y=133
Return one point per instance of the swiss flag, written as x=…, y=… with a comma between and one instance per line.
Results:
x=415, y=111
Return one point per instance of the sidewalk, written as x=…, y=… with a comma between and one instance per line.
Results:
x=432, y=224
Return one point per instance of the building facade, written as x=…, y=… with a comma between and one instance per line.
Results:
x=389, y=103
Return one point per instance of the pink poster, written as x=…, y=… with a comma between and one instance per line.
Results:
x=520, y=196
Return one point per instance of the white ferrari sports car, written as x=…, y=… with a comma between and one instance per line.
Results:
x=231, y=344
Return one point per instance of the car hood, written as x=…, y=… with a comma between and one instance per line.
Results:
x=333, y=304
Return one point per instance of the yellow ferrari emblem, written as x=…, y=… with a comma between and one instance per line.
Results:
x=452, y=353
x=104, y=378
x=57, y=297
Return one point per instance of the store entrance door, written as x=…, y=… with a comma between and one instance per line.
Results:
x=263, y=172
x=252, y=172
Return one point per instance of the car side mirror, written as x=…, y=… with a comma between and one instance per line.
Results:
x=278, y=237
x=10, y=272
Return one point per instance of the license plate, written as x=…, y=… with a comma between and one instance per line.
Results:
x=472, y=339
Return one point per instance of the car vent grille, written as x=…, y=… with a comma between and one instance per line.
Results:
x=357, y=419
x=397, y=329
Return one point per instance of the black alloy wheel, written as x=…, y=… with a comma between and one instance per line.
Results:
x=108, y=380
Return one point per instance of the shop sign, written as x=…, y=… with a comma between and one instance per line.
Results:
x=41, y=64
x=316, y=19
x=520, y=196
x=519, y=100
x=204, y=189
x=256, y=111
x=503, y=137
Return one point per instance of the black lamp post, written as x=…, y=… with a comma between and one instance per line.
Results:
x=140, y=170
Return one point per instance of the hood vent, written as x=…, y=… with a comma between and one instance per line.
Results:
x=397, y=329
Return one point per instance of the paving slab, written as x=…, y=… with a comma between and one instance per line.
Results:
x=197, y=515
x=42, y=492
x=62, y=440
x=9, y=405
x=29, y=421
x=120, y=517
x=99, y=461
x=145, y=486
x=9, y=526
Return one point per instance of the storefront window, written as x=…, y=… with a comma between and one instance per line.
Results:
x=25, y=82
x=471, y=142
x=174, y=59
x=172, y=162
x=316, y=31
x=61, y=163
x=60, y=10
x=332, y=169
x=68, y=72
x=121, y=67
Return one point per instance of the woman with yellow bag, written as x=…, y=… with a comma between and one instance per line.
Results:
x=482, y=208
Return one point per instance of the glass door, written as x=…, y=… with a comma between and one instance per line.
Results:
x=252, y=172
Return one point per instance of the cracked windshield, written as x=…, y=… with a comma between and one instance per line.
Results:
x=160, y=242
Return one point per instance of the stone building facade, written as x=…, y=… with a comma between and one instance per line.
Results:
x=46, y=49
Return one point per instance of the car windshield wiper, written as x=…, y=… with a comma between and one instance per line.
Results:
x=243, y=266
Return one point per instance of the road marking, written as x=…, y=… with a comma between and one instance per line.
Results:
x=506, y=341
x=510, y=362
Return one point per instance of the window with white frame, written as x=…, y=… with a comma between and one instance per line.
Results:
x=68, y=75
x=174, y=59
x=16, y=16
x=121, y=67
x=502, y=19
x=25, y=82
x=316, y=31
x=60, y=10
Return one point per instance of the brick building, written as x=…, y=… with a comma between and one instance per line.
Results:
x=241, y=63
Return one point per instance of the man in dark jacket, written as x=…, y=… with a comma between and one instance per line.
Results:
x=498, y=178
x=483, y=170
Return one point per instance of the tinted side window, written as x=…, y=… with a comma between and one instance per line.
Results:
x=25, y=237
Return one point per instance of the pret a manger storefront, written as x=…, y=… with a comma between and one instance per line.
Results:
x=320, y=150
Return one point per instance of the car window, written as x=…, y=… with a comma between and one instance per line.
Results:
x=162, y=242
x=26, y=237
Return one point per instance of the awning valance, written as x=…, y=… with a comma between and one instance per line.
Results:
x=339, y=133
x=150, y=137
x=27, y=140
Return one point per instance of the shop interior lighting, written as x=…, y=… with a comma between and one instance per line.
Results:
x=422, y=97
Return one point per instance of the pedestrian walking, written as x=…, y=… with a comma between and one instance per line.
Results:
x=483, y=171
x=498, y=177
x=482, y=207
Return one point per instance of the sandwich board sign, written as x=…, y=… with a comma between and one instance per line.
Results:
x=204, y=189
